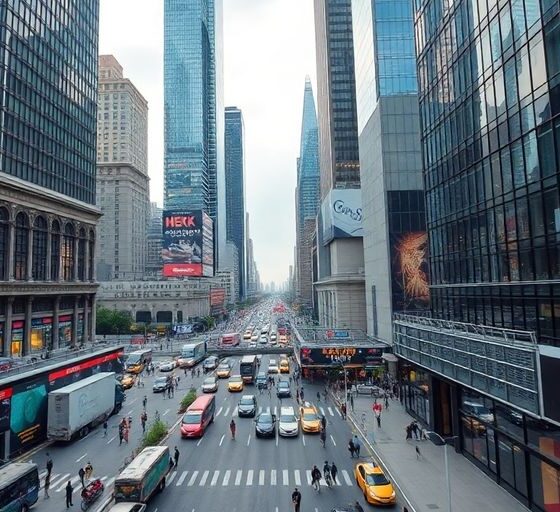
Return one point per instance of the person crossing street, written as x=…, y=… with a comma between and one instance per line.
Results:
x=316, y=478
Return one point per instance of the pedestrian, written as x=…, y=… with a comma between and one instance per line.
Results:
x=144, y=401
x=343, y=411
x=143, y=419
x=81, y=474
x=386, y=401
x=351, y=448
x=356, y=442
x=334, y=472
x=49, y=464
x=352, y=402
x=176, y=456
x=121, y=434
x=408, y=432
x=69, y=491
x=318, y=396
x=316, y=478
x=301, y=394
x=378, y=418
x=88, y=470
x=47, y=485
x=418, y=454
x=414, y=427
x=296, y=499
x=105, y=427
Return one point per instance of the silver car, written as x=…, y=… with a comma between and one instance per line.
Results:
x=288, y=426
x=210, y=385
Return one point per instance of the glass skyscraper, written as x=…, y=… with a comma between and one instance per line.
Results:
x=48, y=217
x=489, y=90
x=235, y=188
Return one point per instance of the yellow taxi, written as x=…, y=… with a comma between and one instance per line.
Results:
x=374, y=484
x=309, y=418
x=235, y=383
x=128, y=380
x=223, y=371
x=284, y=366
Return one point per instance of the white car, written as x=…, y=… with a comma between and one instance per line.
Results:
x=255, y=337
x=263, y=340
x=288, y=426
x=273, y=368
x=167, y=367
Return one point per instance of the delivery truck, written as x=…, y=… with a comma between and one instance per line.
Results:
x=77, y=408
x=144, y=476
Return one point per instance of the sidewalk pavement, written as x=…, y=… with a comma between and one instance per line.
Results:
x=422, y=480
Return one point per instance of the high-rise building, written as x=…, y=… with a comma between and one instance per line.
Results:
x=235, y=190
x=307, y=194
x=193, y=109
x=123, y=193
x=340, y=256
x=395, y=245
x=48, y=100
x=154, y=241
x=487, y=360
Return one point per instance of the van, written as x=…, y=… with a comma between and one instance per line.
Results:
x=198, y=416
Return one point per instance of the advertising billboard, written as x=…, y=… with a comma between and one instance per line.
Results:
x=187, y=244
x=350, y=356
x=341, y=213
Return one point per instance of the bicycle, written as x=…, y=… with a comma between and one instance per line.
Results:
x=328, y=479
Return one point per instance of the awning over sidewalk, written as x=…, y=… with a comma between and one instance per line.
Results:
x=390, y=358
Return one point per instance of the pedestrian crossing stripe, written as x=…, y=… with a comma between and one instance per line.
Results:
x=217, y=478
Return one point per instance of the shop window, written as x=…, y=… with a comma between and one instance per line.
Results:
x=68, y=253
x=55, y=251
x=39, y=270
x=510, y=421
x=4, y=242
x=21, y=247
x=544, y=437
x=91, y=255
x=512, y=464
x=545, y=484
x=82, y=255
x=491, y=447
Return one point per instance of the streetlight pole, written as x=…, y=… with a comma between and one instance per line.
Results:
x=339, y=361
x=435, y=438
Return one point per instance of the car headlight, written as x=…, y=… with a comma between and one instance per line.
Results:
x=393, y=494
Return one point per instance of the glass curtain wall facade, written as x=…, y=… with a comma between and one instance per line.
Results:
x=489, y=76
x=235, y=188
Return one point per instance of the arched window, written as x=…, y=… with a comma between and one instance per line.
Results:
x=55, y=251
x=39, y=270
x=91, y=242
x=82, y=255
x=21, y=250
x=4, y=243
x=68, y=252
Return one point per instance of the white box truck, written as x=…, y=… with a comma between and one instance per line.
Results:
x=74, y=409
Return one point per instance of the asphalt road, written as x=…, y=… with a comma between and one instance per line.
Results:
x=215, y=473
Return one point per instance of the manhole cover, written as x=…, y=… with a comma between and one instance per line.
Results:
x=432, y=506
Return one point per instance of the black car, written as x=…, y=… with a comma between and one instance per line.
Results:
x=283, y=389
x=210, y=363
x=162, y=384
x=247, y=406
x=265, y=425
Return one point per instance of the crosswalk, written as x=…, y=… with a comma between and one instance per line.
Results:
x=218, y=478
x=232, y=411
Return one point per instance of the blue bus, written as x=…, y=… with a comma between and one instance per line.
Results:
x=19, y=486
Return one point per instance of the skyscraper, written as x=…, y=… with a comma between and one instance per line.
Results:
x=390, y=162
x=48, y=100
x=488, y=359
x=307, y=194
x=123, y=193
x=193, y=110
x=340, y=284
x=235, y=190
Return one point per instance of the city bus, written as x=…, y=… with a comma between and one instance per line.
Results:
x=19, y=486
x=137, y=360
x=192, y=354
x=248, y=368
x=232, y=339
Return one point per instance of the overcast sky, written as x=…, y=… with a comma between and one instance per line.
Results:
x=269, y=47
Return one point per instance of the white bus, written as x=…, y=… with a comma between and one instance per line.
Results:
x=192, y=354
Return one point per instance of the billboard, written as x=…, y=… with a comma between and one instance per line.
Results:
x=350, y=356
x=217, y=296
x=341, y=213
x=188, y=247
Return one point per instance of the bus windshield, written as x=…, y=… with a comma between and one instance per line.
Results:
x=188, y=352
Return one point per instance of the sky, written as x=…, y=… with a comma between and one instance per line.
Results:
x=269, y=48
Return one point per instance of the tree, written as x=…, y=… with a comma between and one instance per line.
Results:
x=209, y=321
x=110, y=321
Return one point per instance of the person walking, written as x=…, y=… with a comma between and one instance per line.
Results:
x=351, y=448
x=69, y=491
x=408, y=432
x=357, y=446
x=343, y=411
x=176, y=456
x=49, y=464
x=296, y=499
x=105, y=427
x=378, y=418
x=334, y=472
x=352, y=402
x=88, y=470
x=47, y=485
x=316, y=478
x=143, y=420
x=144, y=401
x=81, y=474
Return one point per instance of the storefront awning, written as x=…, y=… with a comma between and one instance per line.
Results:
x=391, y=358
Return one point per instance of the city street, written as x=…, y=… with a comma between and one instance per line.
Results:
x=216, y=473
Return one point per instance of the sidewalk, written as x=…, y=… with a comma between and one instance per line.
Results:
x=423, y=480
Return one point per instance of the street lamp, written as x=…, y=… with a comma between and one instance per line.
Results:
x=435, y=438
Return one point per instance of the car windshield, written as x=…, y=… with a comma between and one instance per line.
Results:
x=160, y=380
x=210, y=380
x=265, y=418
x=236, y=378
x=287, y=418
x=261, y=376
x=283, y=384
x=310, y=416
x=192, y=418
x=376, y=479
x=223, y=367
x=246, y=401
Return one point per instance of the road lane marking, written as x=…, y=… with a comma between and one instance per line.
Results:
x=166, y=412
x=129, y=412
x=200, y=441
x=285, y=477
x=111, y=440
x=249, y=477
x=331, y=412
x=225, y=481
x=273, y=477
x=303, y=439
x=261, y=477
x=204, y=478
x=339, y=413
x=238, y=477
x=322, y=411
x=308, y=475
x=215, y=478
x=346, y=477
x=172, y=477
x=249, y=440
x=332, y=439
x=277, y=440
x=181, y=478
x=227, y=411
x=59, y=480
x=222, y=439
x=192, y=479
x=132, y=401
x=219, y=411
x=82, y=457
x=297, y=477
